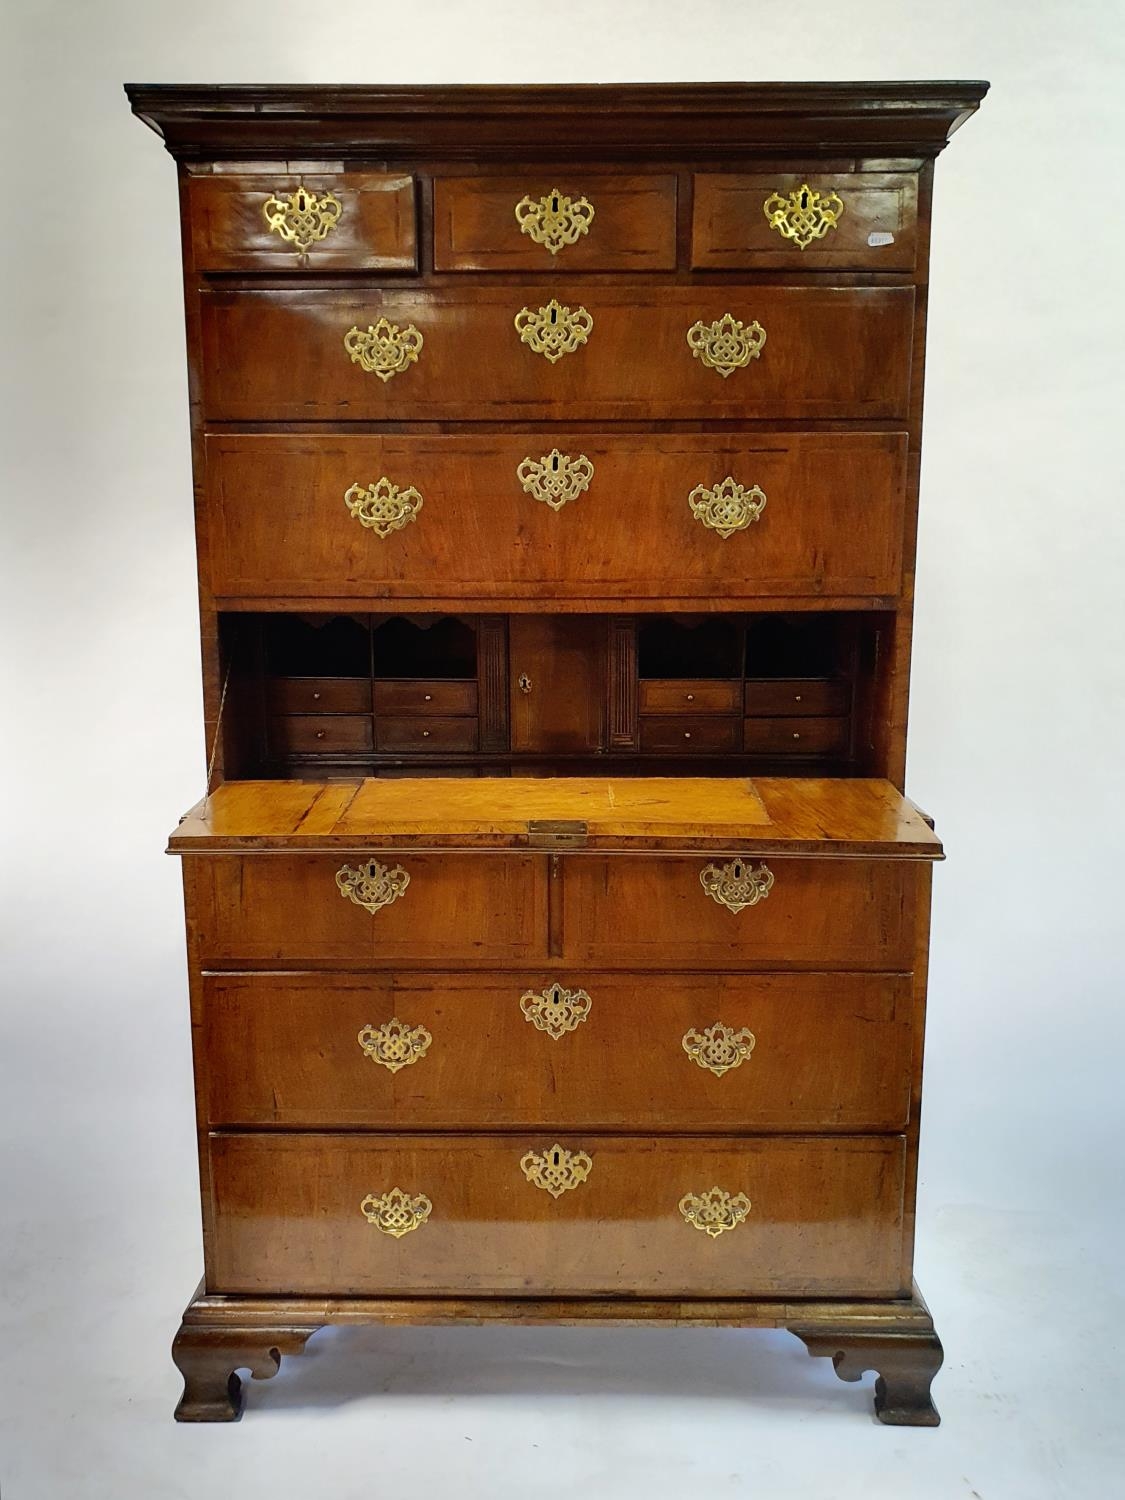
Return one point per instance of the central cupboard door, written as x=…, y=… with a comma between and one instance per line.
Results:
x=643, y=516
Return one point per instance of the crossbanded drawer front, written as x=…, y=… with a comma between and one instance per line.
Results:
x=563, y=222
x=547, y=349
x=794, y=221
x=738, y=912
x=302, y=223
x=574, y=1050
x=367, y=910
x=636, y=514
x=570, y=1214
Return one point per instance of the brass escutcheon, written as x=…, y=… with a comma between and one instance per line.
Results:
x=727, y=507
x=556, y=478
x=719, y=1048
x=553, y=330
x=714, y=1212
x=737, y=885
x=383, y=507
x=396, y=1213
x=394, y=1045
x=555, y=220
x=383, y=348
x=555, y=1010
x=803, y=215
x=557, y=1170
x=727, y=344
x=302, y=218
x=372, y=885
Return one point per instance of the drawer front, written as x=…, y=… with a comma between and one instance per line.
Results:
x=688, y=735
x=838, y=913
x=423, y=733
x=685, y=696
x=319, y=695
x=343, y=221
x=727, y=1052
x=425, y=696
x=829, y=352
x=795, y=696
x=857, y=220
x=796, y=736
x=566, y=223
x=475, y=909
x=288, y=515
x=302, y=734
x=460, y=1215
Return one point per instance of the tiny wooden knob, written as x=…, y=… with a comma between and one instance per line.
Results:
x=796, y=736
x=797, y=698
x=687, y=734
x=320, y=734
x=425, y=734
x=428, y=698
x=690, y=697
x=316, y=697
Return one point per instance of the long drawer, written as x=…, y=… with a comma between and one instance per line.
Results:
x=622, y=352
x=528, y=1214
x=348, y=908
x=643, y=1052
x=406, y=516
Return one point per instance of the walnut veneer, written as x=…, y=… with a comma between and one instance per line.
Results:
x=557, y=925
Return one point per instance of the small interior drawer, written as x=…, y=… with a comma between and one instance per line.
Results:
x=424, y=733
x=305, y=734
x=687, y=696
x=794, y=696
x=796, y=736
x=319, y=695
x=421, y=696
x=687, y=734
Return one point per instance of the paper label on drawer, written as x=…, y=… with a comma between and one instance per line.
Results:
x=880, y=237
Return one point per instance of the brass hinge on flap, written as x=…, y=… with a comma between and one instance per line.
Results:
x=552, y=833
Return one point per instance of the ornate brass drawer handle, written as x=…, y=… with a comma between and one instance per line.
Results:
x=395, y=1045
x=715, y=1212
x=302, y=218
x=556, y=478
x=558, y=1170
x=554, y=330
x=737, y=885
x=383, y=507
x=555, y=1010
x=383, y=348
x=554, y=220
x=719, y=1048
x=372, y=885
x=803, y=215
x=727, y=344
x=396, y=1213
x=727, y=507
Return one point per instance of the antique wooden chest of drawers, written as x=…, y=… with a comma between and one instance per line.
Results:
x=557, y=924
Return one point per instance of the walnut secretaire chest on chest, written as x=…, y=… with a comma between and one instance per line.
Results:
x=557, y=926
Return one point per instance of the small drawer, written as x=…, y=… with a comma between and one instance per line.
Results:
x=793, y=696
x=688, y=735
x=310, y=734
x=869, y=221
x=571, y=1215
x=367, y=909
x=738, y=912
x=418, y=696
x=426, y=734
x=361, y=221
x=686, y=696
x=319, y=695
x=796, y=736
x=565, y=222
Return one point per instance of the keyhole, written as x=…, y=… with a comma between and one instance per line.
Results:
x=554, y=464
x=554, y=315
x=804, y=200
x=554, y=203
x=523, y=682
x=556, y=1158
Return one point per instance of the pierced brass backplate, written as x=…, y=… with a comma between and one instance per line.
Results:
x=727, y=344
x=302, y=218
x=727, y=507
x=372, y=885
x=558, y=1170
x=554, y=330
x=383, y=348
x=383, y=507
x=738, y=884
x=803, y=215
x=554, y=220
x=556, y=478
x=714, y=1212
x=395, y=1045
x=396, y=1213
x=556, y=1010
x=719, y=1048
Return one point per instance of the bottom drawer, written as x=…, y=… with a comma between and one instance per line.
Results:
x=682, y=1216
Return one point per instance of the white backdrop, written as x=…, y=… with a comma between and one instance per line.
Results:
x=1015, y=747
